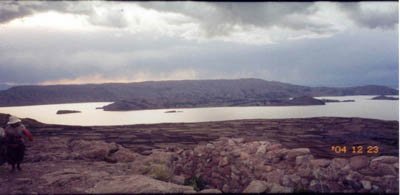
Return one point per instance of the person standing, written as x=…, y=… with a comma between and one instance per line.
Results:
x=15, y=136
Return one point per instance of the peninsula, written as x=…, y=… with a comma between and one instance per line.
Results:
x=182, y=94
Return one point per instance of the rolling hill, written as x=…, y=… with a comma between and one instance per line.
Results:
x=184, y=93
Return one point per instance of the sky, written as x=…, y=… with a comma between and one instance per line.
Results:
x=306, y=43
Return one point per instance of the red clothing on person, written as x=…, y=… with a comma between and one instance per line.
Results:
x=21, y=132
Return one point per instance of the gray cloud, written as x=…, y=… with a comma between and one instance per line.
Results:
x=365, y=57
x=370, y=15
x=10, y=10
x=222, y=17
x=112, y=18
x=219, y=18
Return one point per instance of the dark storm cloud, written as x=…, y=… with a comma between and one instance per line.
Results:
x=113, y=17
x=372, y=17
x=216, y=18
x=221, y=18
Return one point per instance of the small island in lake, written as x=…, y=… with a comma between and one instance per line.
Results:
x=67, y=111
x=383, y=97
x=171, y=103
x=336, y=101
x=173, y=111
x=302, y=101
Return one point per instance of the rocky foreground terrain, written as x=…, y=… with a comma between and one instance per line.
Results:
x=229, y=156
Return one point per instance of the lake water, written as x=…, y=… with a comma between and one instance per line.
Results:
x=362, y=107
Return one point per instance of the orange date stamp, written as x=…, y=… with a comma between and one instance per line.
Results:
x=340, y=149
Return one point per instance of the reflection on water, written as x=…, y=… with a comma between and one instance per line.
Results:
x=362, y=107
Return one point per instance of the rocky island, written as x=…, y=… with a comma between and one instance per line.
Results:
x=67, y=111
x=273, y=156
x=382, y=97
x=173, y=111
x=336, y=101
x=198, y=103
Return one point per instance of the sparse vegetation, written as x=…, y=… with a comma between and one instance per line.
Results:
x=197, y=183
x=160, y=172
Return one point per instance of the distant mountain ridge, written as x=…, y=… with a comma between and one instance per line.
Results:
x=175, y=92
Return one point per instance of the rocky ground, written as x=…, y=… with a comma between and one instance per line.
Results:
x=232, y=156
x=234, y=165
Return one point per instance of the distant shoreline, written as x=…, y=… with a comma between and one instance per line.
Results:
x=185, y=93
x=110, y=102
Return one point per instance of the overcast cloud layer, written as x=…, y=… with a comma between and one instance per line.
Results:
x=309, y=43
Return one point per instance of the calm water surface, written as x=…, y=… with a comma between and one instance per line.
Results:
x=362, y=107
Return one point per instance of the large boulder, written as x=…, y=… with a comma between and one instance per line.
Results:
x=161, y=157
x=210, y=191
x=385, y=159
x=382, y=169
x=359, y=162
x=338, y=163
x=158, y=165
x=366, y=184
x=93, y=150
x=158, y=171
x=276, y=188
x=275, y=175
x=62, y=177
x=100, y=150
x=67, y=176
x=304, y=159
x=256, y=186
x=137, y=184
x=293, y=153
x=320, y=162
x=125, y=155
